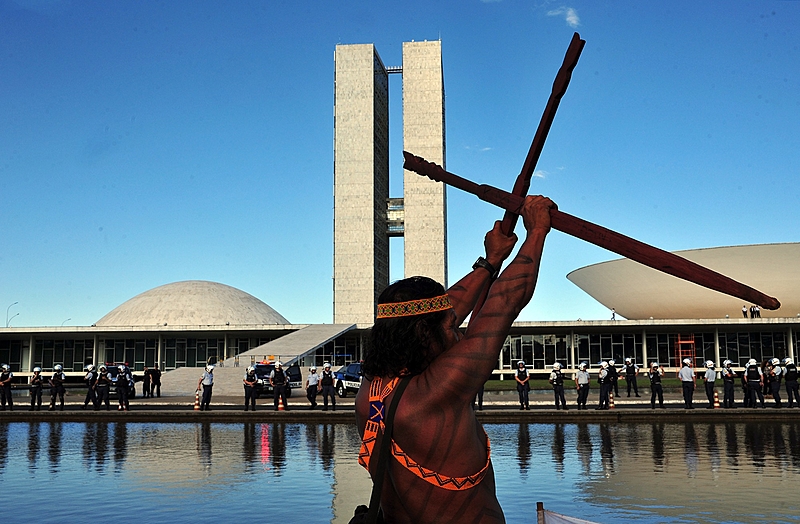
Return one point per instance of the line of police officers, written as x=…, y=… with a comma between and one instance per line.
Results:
x=755, y=381
x=98, y=385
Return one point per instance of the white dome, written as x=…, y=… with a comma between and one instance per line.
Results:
x=192, y=303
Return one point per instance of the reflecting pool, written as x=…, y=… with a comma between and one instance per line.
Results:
x=68, y=472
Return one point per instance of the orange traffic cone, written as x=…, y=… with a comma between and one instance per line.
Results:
x=611, y=401
x=197, y=400
x=716, y=400
x=280, y=404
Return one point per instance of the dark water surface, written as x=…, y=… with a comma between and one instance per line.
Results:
x=282, y=473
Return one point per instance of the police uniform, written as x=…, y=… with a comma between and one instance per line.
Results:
x=613, y=375
x=790, y=374
x=327, y=389
x=36, y=384
x=57, y=389
x=155, y=382
x=146, y=383
x=523, y=387
x=605, y=388
x=754, y=383
x=710, y=378
x=631, y=370
x=208, y=385
x=557, y=380
x=5, y=390
x=279, y=380
x=582, y=381
x=90, y=380
x=123, y=383
x=774, y=378
x=249, y=381
x=656, y=389
x=729, y=384
x=686, y=376
x=102, y=389
x=312, y=383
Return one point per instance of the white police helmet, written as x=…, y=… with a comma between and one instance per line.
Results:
x=6, y=367
x=787, y=361
x=775, y=362
x=583, y=366
x=209, y=368
x=250, y=369
x=520, y=363
x=654, y=365
x=752, y=362
x=58, y=367
x=37, y=369
x=687, y=361
x=312, y=368
x=611, y=362
x=710, y=364
x=556, y=366
x=727, y=363
x=121, y=368
x=326, y=365
x=278, y=364
x=90, y=367
x=628, y=359
x=102, y=367
x=604, y=364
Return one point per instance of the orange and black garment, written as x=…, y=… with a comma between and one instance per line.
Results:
x=377, y=394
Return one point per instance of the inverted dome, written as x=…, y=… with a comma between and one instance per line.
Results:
x=192, y=303
x=639, y=292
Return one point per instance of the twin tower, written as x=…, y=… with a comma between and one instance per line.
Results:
x=365, y=217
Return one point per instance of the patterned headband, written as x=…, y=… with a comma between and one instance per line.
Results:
x=414, y=307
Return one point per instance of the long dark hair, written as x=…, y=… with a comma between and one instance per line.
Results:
x=400, y=345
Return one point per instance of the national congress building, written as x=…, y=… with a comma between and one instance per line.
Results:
x=186, y=324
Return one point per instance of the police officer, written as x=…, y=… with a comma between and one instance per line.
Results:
x=523, y=385
x=755, y=382
x=656, y=389
x=155, y=381
x=312, y=386
x=249, y=381
x=729, y=383
x=631, y=370
x=207, y=383
x=279, y=382
x=582, y=385
x=688, y=385
x=709, y=379
x=102, y=387
x=124, y=381
x=774, y=377
x=613, y=373
x=557, y=380
x=5, y=387
x=603, y=378
x=90, y=380
x=790, y=379
x=327, y=382
x=35, y=385
x=146, y=383
x=57, y=387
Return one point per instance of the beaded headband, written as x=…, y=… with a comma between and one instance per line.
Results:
x=414, y=307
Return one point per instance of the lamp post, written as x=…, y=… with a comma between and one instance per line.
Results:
x=62, y=324
x=12, y=318
x=9, y=307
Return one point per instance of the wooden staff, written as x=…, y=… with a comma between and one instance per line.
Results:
x=628, y=247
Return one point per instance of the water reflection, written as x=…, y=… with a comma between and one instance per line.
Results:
x=650, y=472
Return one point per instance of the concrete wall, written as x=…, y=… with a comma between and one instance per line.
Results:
x=361, y=182
x=424, y=135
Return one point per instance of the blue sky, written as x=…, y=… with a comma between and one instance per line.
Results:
x=143, y=143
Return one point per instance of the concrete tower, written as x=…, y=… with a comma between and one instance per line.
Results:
x=364, y=215
x=361, y=183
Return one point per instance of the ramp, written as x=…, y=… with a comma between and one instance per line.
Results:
x=291, y=347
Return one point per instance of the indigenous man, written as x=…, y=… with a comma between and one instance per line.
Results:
x=440, y=469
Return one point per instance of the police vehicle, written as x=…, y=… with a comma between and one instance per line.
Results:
x=263, y=370
x=348, y=378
